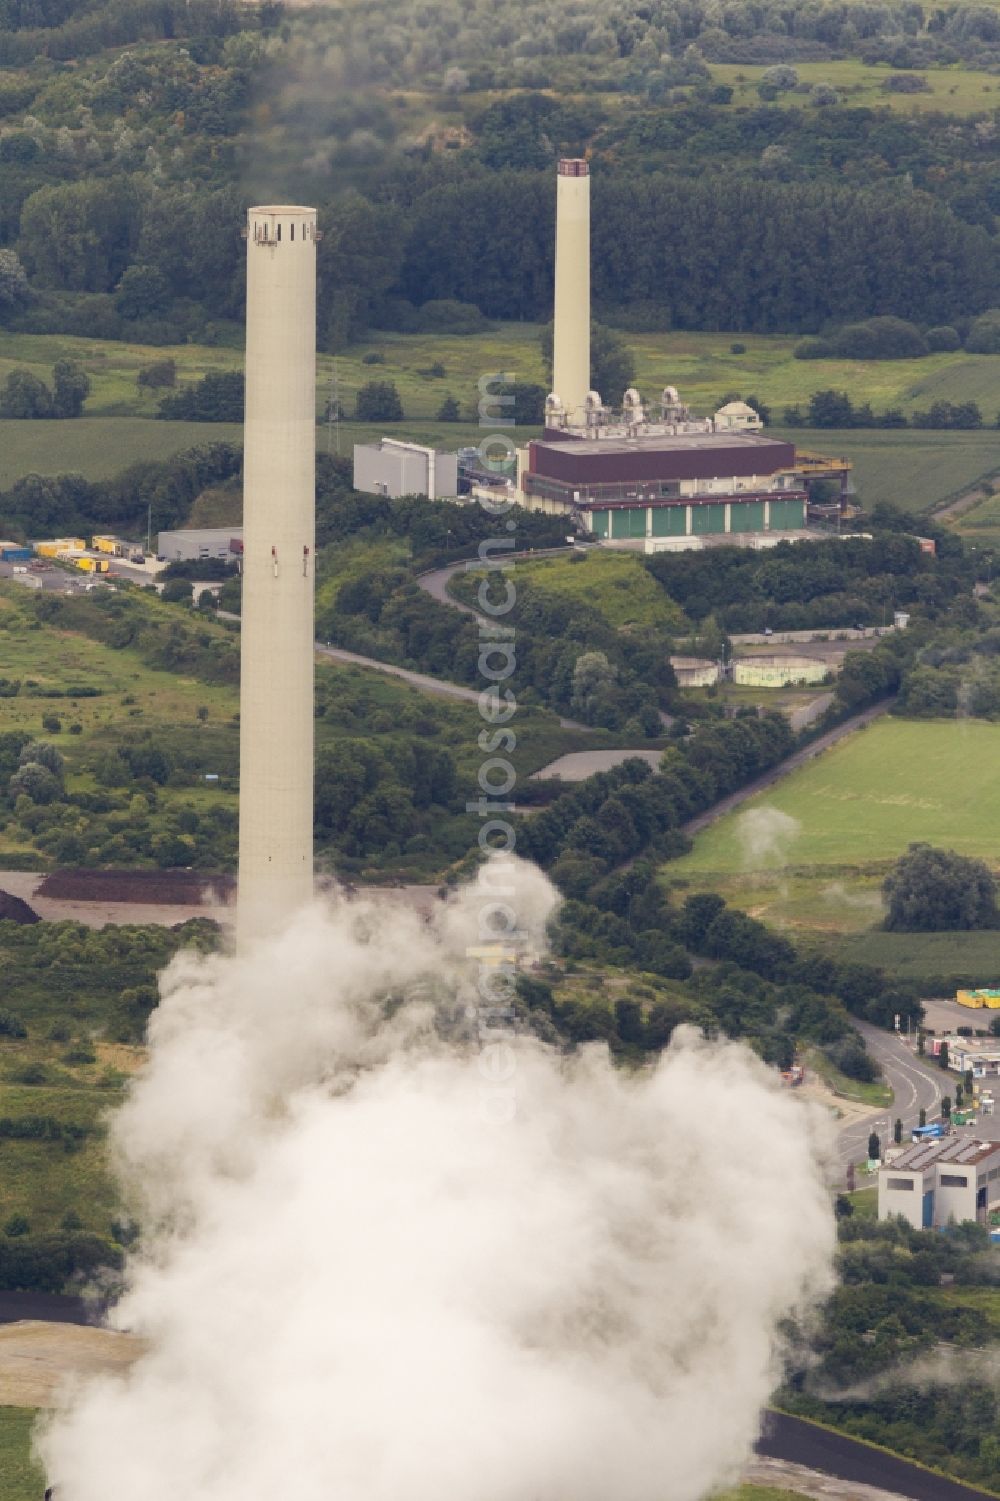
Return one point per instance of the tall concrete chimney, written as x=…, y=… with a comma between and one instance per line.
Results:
x=571, y=334
x=279, y=540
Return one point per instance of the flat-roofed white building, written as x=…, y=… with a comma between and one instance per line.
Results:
x=935, y=1182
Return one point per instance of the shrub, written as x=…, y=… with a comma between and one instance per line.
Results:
x=984, y=335
x=11, y=1025
x=378, y=401
x=932, y=890
x=449, y=316
x=51, y=724
x=906, y=83
x=24, y=395
x=779, y=78
x=373, y=358
x=943, y=339
x=852, y=1059
x=217, y=397
x=154, y=377
x=737, y=349
x=880, y=339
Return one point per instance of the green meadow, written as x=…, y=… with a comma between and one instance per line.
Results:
x=954, y=91
x=809, y=854
x=120, y=427
x=20, y=1479
x=865, y=800
x=909, y=469
x=615, y=584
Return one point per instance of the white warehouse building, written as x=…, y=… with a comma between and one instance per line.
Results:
x=394, y=468
x=225, y=542
x=935, y=1182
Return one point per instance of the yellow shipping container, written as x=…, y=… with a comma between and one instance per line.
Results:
x=53, y=548
x=977, y=999
x=106, y=544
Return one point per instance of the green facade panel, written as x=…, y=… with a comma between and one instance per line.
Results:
x=746, y=516
x=707, y=519
x=629, y=523
x=599, y=523
x=669, y=521
x=787, y=515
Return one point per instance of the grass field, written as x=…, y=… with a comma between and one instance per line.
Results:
x=614, y=584
x=39, y=1179
x=912, y=470
x=701, y=365
x=865, y=800
x=99, y=447
x=20, y=1479
x=914, y=956
x=979, y=525
x=809, y=855
x=954, y=91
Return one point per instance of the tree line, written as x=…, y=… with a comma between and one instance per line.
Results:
x=825, y=585
x=708, y=253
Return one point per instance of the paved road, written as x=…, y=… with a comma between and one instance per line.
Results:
x=439, y=686
x=914, y=1083
x=437, y=579
x=804, y=1443
x=791, y=763
x=436, y=584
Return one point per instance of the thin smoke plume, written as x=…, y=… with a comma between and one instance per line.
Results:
x=947, y=1365
x=766, y=835
x=352, y=1283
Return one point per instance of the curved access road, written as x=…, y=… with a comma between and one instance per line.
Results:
x=803, y=1443
x=916, y=1085
x=791, y=763
x=436, y=580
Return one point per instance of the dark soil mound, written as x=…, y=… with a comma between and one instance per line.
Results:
x=182, y=888
x=12, y=909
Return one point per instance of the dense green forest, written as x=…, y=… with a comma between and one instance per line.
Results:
x=132, y=137
x=902, y=1354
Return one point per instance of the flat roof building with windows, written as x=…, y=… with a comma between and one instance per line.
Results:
x=225, y=542
x=934, y=1183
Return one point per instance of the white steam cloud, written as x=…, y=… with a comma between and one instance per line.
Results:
x=354, y=1284
x=765, y=836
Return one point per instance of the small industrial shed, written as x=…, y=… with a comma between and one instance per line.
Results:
x=934, y=1182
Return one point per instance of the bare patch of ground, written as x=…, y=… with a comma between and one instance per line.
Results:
x=578, y=765
x=37, y=1358
x=847, y=1112
x=75, y=896
x=121, y=1056
x=804, y=1482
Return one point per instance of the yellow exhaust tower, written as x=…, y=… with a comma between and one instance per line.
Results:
x=571, y=331
x=279, y=539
